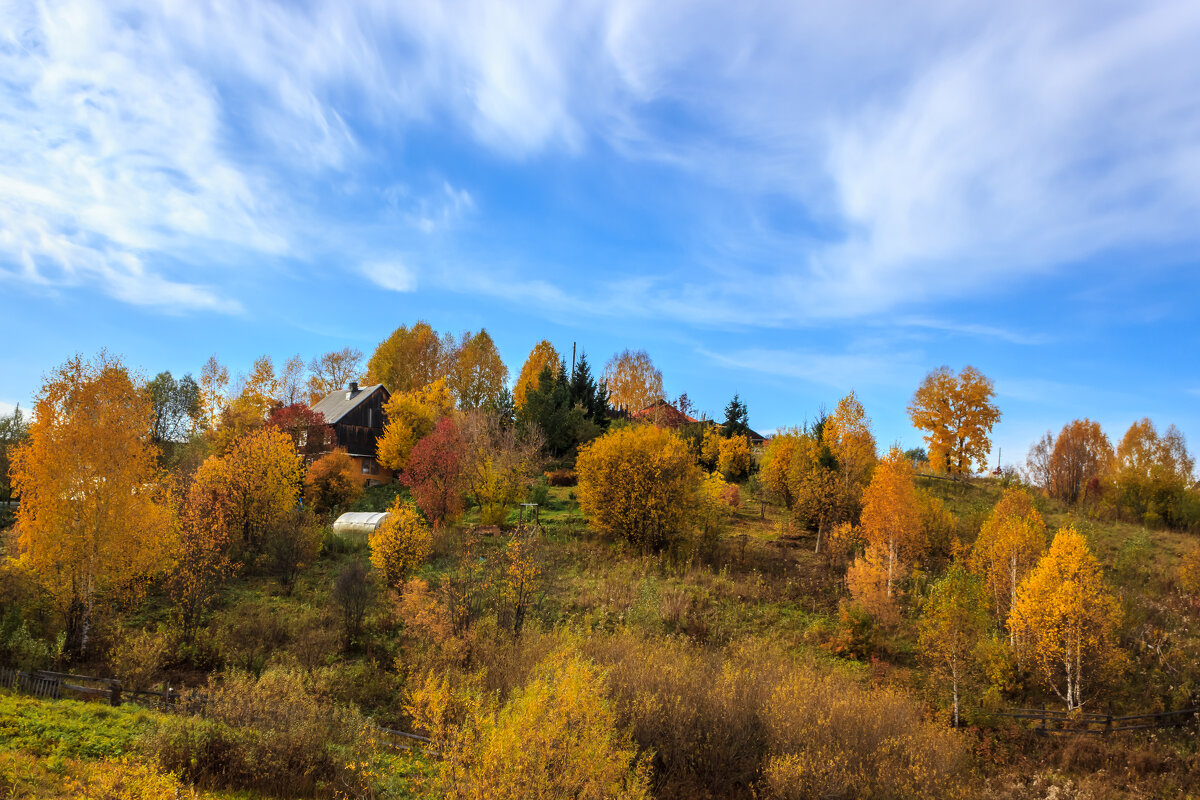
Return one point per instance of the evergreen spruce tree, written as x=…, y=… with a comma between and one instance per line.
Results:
x=737, y=419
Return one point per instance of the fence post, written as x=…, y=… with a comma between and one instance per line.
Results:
x=114, y=693
x=1043, y=717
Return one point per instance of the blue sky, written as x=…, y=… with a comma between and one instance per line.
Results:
x=784, y=200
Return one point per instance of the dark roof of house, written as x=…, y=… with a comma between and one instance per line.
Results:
x=663, y=414
x=338, y=404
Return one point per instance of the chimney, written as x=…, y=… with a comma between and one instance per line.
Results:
x=353, y=390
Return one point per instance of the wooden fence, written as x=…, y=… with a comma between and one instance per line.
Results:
x=1092, y=724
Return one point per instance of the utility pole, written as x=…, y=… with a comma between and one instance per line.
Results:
x=572, y=362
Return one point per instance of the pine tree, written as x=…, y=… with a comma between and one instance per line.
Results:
x=737, y=419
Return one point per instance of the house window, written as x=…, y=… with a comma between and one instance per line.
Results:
x=366, y=466
x=370, y=416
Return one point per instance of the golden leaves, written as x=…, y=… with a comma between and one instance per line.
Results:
x=400, y=544
x=541, y=357
x=957, y=414
x=639, y=482
x=1065, y=618
x=633, y=381
x=94, y=512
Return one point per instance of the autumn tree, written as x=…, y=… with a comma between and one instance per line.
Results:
x=261, y=387
x=202, y=560
x=891, y=517
x=733, y=457
x=332, y=371
x=639, y=482
x=542, y=356
x=1009, y=545
x=520, y=579
x=478, y=374
x=1082, y=454
x=1067, y=620
x=498, y=462
x=957, y=414
x=411, y=416
x=633, y=381
x=214, y=380
x=777, y=465
x=258, y=480
x=848, y=434
x=435, y=472
x=411, y=358
x=307, y=429
x=291, y=544
x=710, y=447
x=1152, y=472
x=400, y=543
x=332, y=482
x=14, y=430
x=93, y=515
x=953, y=621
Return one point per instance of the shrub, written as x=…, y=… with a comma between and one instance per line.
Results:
x=137, y=658
x=639, y=482
x=333, y=481
x=268, y=734
x=556, y=737
x=400, y=543
x=562, y=477
x=292, y=544
x=829, y=738
x=352, y=595
x=734, y=457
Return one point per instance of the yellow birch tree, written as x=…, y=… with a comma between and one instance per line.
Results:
x=94, y=514
x=1067, y=620
x=891, y=516
x=1009, y=545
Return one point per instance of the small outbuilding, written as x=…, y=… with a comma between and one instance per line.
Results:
x=359, y=523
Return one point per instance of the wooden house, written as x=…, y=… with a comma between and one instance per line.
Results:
x=357, y=418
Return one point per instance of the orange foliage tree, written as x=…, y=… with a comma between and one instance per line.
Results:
x=332, y=482
x=891, y=517
x=639, y=482
x=1009, y=545
x=202, y=563
x=1082, y=454
x=1067, y=619
x=957, y=414
x=257, y=481
x=94, y=516
x=542, y=356
x=411, y=416
x=411, y=358
x=848, y=434
x=633, y=381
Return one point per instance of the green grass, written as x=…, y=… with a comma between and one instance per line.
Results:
x=70, y=728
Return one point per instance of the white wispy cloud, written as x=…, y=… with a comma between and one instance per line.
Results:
x=939, y=151
x=393, y=275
